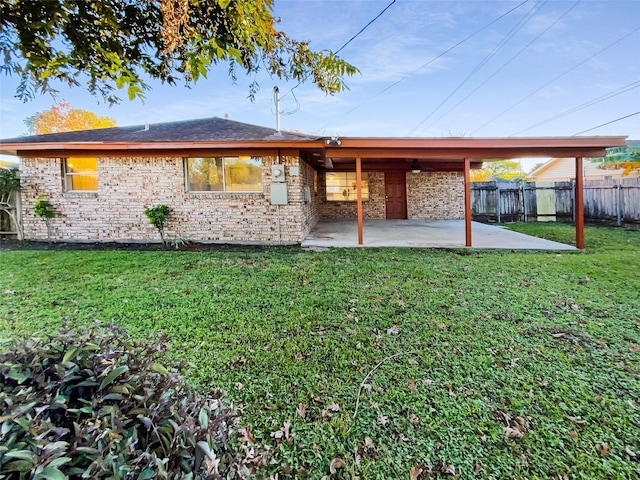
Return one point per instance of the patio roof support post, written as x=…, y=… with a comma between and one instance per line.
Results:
x=579, y=213
x=467, y=202
x=359, y=197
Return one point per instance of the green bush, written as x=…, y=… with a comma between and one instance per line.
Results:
x=99, y=405
x=43, y=208
x=9, y=181
x=158, y=217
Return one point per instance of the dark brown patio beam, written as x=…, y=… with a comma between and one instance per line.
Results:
x=467, y=202
x=359, y=197
x=458, y=153
x=579, y=204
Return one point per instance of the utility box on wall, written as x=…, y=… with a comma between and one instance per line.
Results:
x=277, y=173
x=278, y=194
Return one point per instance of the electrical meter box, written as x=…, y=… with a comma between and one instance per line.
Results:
x=278, y=194
x=277, y=173
x=294, y=171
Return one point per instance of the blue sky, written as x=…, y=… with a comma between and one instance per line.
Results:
x=530, y=73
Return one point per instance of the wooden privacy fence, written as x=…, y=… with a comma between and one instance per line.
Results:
x=503, y=201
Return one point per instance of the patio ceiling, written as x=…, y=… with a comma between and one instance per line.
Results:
x=447, y=154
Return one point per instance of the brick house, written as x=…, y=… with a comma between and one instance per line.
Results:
x=231, y=182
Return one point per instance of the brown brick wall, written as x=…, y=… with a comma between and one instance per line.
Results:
x=115, y=212
x=431, y=196
x=435, y=195
x=311, y=208
x=372, y=208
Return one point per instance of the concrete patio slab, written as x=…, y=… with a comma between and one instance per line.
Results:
x=422, y=233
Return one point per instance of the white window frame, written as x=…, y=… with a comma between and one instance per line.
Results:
x=224, y=177
x=68, y=185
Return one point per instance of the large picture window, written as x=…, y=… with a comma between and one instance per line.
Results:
x=224, y=174
x=341, y=186
x=81, y=174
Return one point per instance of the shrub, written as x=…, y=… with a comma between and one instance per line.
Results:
x=158, y=216
x=9, y=181
x=98, y=405
x=43, y=209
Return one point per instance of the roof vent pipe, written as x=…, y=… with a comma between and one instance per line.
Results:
x=146, y=126
x=276, y=96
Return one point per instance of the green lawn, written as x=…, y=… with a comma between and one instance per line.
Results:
x=544, y=345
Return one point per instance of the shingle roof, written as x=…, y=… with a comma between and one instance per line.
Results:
x=201, y=130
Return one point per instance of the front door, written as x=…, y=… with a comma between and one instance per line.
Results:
x=395, y=191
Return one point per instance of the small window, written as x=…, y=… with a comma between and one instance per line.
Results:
x=341, y=186
x=81, y=174
x=224, y=174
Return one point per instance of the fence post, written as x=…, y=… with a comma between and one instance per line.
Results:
x=619, y=205
x=573, y=201
x=498, y=193
x=524, y=200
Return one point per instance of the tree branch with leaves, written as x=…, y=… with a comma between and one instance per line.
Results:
x=120, y=44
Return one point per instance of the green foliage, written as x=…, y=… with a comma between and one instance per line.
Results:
x=9, y=181
x=626, y=158
x=506, y=169
x=98, y=405
x=117, y=43
x=482, y=338
x=158, y=217
x=43, y=208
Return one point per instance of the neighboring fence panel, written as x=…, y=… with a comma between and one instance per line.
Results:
x=610, y=200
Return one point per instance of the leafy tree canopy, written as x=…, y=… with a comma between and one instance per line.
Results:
x=627, y=158
x=62, y=117
x=117, y=44
x=506, y=169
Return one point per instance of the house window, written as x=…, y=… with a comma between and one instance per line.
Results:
x=341, y=186
x=80, y=174
x=224, y=174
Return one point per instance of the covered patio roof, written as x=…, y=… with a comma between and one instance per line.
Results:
x=448, y=153
x=457, y=154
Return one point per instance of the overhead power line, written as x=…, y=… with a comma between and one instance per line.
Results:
x=602, y=98
x=607, y=123
x=556, y=78
x=510, y=34
x=504, y=65
x=386, y=89
x=365, y=27
x=345, y=44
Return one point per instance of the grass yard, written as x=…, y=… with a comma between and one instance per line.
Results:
x=495, y=364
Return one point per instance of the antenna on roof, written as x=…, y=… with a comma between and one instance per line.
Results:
x=276, y=95
x=227, y=116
